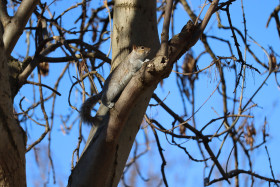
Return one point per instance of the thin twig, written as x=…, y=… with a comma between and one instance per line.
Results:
x=270, y=165
x=47, y=127
x=194, y=72
x=46, y=86
x=162, y=157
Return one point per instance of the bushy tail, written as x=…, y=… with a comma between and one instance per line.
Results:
x=85, y=111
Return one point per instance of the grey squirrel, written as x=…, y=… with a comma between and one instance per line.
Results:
x=116, y=82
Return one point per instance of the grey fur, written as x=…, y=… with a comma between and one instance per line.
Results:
x=116, y=82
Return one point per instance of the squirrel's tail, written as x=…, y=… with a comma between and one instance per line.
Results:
x=85, y=111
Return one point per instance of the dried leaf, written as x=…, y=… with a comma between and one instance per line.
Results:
x=44, y=68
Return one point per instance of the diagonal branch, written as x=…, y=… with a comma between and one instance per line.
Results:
x=4, y=17
x=97, y=156
x=165, y=28
x=15, y=27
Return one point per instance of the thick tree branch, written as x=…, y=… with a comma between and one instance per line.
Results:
x=4, y=17
x=12, y=137
x=151, y=74
x=105, y=141
x=15, y=27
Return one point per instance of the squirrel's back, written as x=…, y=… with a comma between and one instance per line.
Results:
x=116, y=82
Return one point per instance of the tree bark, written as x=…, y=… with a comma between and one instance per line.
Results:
x=12, y=137
x=108, y=146
x=133, y=25
x=103, y=161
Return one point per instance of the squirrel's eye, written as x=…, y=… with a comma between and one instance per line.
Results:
x=142, y=47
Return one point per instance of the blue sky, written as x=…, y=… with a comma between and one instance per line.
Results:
x=180, y=171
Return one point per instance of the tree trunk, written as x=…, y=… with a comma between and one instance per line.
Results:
x=103, y=161
x=133, y=25
x=12, y=137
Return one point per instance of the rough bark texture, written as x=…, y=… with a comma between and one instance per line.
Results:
x=108, y=146
x=12, y=137
x=103, y=161
x=142, y=30
x=134, y=24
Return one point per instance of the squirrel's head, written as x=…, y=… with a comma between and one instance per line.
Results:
x=141, y=51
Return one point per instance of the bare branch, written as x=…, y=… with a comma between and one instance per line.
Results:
x=233, y=173
x=4, y=17
x=14, y=29
x=165, y=28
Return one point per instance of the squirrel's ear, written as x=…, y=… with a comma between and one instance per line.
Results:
x=134, y=47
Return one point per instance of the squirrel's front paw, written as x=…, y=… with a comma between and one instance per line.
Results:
x=110, y=105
